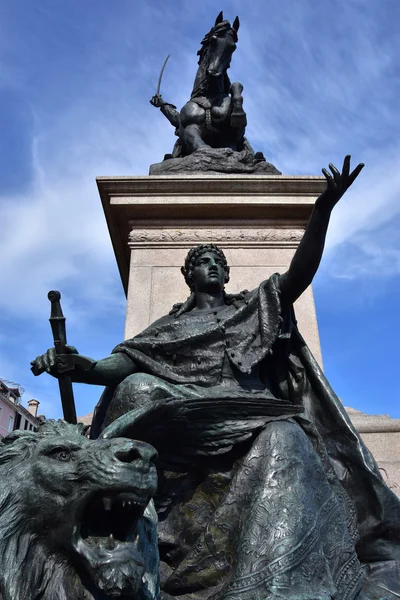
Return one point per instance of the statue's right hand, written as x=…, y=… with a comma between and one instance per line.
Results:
x=49, y=360
x=157, y=101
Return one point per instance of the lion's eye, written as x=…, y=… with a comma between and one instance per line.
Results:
x=61, y=454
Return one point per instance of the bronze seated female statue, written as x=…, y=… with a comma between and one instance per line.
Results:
x=265, y=489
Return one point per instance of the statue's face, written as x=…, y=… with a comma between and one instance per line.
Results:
x=209, y=273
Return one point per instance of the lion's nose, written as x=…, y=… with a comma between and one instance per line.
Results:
x=127, y=451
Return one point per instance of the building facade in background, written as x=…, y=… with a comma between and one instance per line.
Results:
x=12, y=414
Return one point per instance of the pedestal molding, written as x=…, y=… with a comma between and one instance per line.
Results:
x=228, y=237
x=224, y=185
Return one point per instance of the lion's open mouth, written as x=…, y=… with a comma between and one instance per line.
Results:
x=108, y=540
x=110, y=519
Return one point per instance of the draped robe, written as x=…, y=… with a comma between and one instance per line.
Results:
x=265, y=489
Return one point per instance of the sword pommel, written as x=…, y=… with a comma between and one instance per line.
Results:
x=54, y=296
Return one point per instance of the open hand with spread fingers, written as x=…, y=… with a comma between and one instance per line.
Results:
x=338, y=183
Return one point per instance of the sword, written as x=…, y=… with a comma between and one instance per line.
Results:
x=161, y=74
x=57, y=322
x=157, y=94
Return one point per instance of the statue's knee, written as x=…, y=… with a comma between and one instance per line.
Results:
x=287, y=435
x=134, y=391
x=191, y=114
x=136, y=384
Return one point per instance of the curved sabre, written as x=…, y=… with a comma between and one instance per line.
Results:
x=161, y=74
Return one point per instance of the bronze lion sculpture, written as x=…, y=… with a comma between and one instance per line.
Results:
x=75, y=518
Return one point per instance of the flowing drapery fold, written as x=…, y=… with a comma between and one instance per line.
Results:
x=266, y=491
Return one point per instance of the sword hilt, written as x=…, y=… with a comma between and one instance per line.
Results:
x=57, y=322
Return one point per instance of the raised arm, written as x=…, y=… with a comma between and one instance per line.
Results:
x=308, y=255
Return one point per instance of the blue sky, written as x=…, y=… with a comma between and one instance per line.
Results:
x=321, y=79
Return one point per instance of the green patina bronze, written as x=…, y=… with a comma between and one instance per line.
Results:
x=265, y=489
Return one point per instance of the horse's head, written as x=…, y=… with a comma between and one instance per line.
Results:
x=218, y=46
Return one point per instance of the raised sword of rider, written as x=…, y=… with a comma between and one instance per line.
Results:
x=161, y=74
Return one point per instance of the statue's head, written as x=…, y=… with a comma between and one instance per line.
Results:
x=70, y=509
x=218, y=46
x=207, y=263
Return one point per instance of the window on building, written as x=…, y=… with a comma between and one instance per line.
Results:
x=1, y=410
x=10, y=424
x=26, y=425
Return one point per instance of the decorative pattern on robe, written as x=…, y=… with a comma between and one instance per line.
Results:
x=278, y=515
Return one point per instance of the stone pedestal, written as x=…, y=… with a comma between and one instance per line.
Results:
x=382, y=436
x=257, y=220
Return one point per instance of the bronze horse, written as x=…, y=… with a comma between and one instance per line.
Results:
x=214, y=115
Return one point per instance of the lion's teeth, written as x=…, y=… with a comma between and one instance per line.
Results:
x=123, y=503
x=110, y=544
x=107, y=502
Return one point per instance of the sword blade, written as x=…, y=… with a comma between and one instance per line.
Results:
x=161, y=74
x=67, y=398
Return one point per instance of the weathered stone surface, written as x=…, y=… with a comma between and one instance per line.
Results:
x=381, y=434
x=214, y=160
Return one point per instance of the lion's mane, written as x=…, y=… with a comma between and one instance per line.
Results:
x=26, y=563
x=46, y=478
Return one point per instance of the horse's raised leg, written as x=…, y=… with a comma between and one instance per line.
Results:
x=238, y=116
x=192, y=119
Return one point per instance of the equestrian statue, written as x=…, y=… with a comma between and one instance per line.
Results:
x=214, y=115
